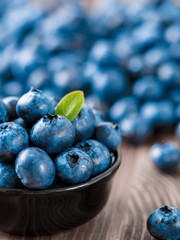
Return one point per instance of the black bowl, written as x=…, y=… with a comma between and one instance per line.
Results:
x=45, y=212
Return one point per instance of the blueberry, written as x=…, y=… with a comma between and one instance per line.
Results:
x=135, y=128
x=84, y=124
x=12, y=88
x=102, y=54
x=21, y=122
x=123, y=107
x=53, y=134
x=169, y=74
x=39, y=78
x=34, y=105
x=13, y=139
x=109, y=84
x=99, y=154
x=135, y=65
x=167, y=112
x=164, y=223
x=178, y=129
x=124, y=48
x=3, y=112
x=8, y=176
x=73, y=166
x=155, y=56
x=148, y=88
x=169, y=11
x=166, y=157
x=67, y=80
x=11, y=107
x=172, y=34
x=150, y=111
x=108, y=134
x=174, y=95
x=35, y=168
x=99, y=116
x=94, y=102
x=146, y=34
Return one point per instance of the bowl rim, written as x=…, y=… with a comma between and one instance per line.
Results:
x=91, y=181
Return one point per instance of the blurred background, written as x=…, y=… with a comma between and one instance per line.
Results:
x=125, y=56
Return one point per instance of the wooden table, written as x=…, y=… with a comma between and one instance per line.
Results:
x=138, y=189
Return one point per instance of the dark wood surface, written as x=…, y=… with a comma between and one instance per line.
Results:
x=138, y=189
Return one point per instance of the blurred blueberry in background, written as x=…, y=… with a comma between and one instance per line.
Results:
x=125, y=57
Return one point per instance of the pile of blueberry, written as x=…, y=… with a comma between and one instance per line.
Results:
x=37, y=146
x=125, y=57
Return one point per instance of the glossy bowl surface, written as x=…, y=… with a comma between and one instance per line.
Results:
x=45, y=212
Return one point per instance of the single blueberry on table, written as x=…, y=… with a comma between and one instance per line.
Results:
x=164, y=223
x=35, y=168
x=11, y=107
x=84, y=124
x=13, y=139
x=53, y=134
x=8, y=176
x=166, y=157
x=109, y=134
x=34, y=105
x=73, y=166
x=3, y=111
x=98, y=153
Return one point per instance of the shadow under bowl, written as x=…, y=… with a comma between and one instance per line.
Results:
x=46, y=212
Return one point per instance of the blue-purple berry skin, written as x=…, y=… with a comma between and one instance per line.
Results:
x=164, y=223
x=11, y=103
x=109, y=134
x=35, y=168
x=13, y=139
x=73, y=166
x=3, y=112
x=34, y=105
x=53, y=134
x=84, y=124
x=8, y=176
x=178, y=129
x=165, y=156
x=99, y=154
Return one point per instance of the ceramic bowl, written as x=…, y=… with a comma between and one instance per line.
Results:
x=45, y=212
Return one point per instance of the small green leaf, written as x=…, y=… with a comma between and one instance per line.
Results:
x=70, y=105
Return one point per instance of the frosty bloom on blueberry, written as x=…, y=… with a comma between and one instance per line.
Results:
x=35, y=168
x=164, y=223
x=53, y=134
x=73, y=166
x=34, y=105
x=99, y=154
x=13, y=139
x=3, y=111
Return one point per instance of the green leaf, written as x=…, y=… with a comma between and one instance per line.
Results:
x=70, y=105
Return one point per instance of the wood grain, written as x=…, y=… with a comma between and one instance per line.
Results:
x=138, y=189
